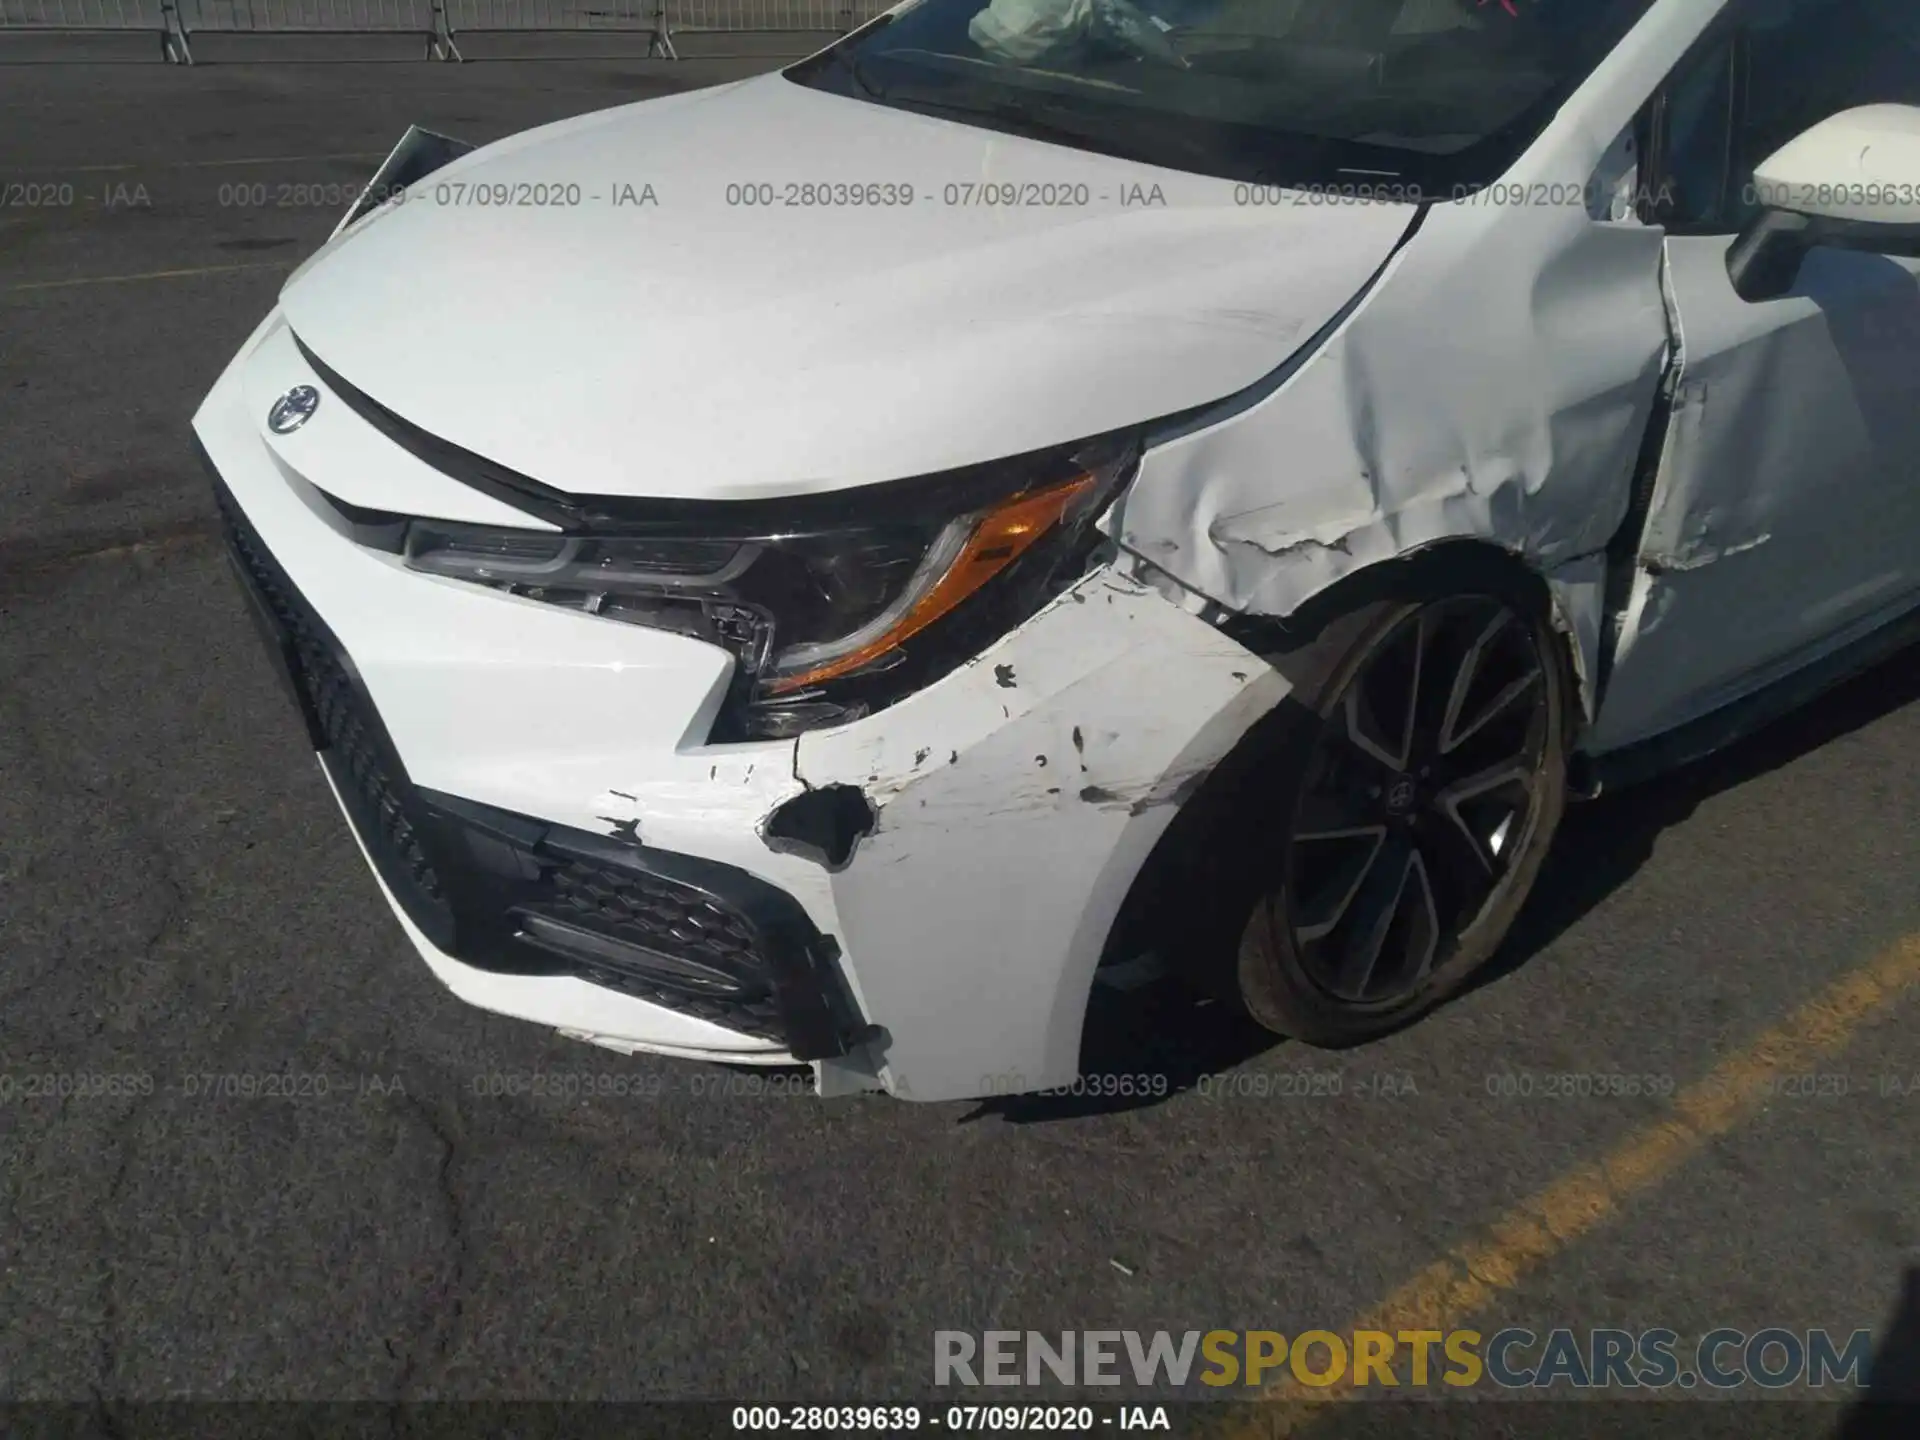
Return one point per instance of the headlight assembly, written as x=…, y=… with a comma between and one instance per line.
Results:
x=832, y=605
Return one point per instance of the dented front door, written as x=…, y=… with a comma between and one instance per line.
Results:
x=1787, y=509
x=1785, y=517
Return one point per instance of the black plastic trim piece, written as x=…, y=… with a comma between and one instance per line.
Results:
x=676, y=971
x=418, y=154
x=497, y=481
x=279, y=646
x=950, y=492
x=1652, y=126
x=821, y=1019
x=434, y=920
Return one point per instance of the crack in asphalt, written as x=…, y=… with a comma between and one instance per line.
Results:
x=23, y=728
x=153, y=854
x=445, y=1306
x=107, y=1358
x=149, y=848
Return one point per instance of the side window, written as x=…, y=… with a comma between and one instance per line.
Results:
x=1694, y=144
x=1782, y=68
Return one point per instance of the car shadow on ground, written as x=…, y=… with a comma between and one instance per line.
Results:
x=1603, y=842
x=1891, y=1405
x=1141, y=1048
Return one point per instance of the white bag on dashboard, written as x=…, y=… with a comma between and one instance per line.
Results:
x=1023, y=30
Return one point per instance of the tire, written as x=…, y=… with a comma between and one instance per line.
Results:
x=1409, y=790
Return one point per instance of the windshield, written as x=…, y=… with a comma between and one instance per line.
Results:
x=1430, y=95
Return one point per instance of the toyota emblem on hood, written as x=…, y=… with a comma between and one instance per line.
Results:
x=293, y=409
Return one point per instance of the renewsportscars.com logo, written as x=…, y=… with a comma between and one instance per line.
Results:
x=1511, y=1359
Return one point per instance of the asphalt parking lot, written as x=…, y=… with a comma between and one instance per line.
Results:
x=179, y=899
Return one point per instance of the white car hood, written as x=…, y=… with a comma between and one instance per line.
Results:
x=691, y=347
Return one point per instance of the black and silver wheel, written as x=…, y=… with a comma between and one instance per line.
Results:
x=1429, y=780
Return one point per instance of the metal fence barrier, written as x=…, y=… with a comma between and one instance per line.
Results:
x=153, y=17
x=559, y=17
x=773, y=15
x=438, y=23
x=312, y=17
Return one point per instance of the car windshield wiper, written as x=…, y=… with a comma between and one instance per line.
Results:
x=1128, y=133
x=1017, y=116
x=1142, y=136
x=1021, y=117
x=1041, y=120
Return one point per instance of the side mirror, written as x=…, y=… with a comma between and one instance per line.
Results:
x=1852, y=182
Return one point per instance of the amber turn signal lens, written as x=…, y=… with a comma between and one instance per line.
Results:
x=1001, y=537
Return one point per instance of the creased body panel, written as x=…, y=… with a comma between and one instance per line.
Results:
x=1495, y=384
x=1785, y=521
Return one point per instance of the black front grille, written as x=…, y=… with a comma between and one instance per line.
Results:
x=658, y=914
x=654, y=912
x=333, y=701
x=346, y=729
x=471, y=876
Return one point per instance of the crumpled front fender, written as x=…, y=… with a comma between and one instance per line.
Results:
x=1013, y=805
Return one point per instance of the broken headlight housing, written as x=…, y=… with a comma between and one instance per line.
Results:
x=834, y=605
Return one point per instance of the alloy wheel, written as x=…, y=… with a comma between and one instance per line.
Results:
x=1420, y=797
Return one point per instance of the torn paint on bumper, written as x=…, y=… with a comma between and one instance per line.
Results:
x=1014, y=804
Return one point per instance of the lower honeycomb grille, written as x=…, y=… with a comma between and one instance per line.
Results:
x=659, y=915
x=340, y=715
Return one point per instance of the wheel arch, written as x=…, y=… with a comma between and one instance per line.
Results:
x=1196, y=850
x=1442, y=567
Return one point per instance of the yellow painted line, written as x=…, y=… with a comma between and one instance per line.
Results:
x=198, y=164
x=262, y=160
x=1470, y=1278
x=150, y=275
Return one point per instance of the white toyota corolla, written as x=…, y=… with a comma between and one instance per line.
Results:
x=806, y=570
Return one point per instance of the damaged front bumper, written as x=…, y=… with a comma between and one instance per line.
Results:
x=508, y=894
x=914, y=902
